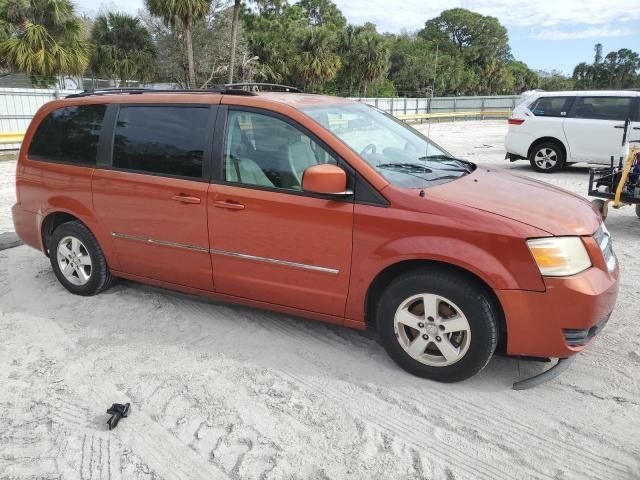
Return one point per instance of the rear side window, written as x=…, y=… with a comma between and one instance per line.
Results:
x=604, y=108
x=168, y=140
x=551, y=106
x=69, y=135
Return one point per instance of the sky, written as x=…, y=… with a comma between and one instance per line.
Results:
x=546, y=34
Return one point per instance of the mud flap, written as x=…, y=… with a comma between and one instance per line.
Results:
x=553, y=372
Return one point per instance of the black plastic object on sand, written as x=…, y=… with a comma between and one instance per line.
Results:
x=117, y=412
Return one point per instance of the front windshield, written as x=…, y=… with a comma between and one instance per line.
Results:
x=401, y=154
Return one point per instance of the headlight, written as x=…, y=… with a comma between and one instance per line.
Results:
x=559, y=256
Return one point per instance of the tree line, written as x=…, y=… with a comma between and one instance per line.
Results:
x=199, y=43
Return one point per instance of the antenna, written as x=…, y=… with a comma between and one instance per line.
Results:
x=432, y=89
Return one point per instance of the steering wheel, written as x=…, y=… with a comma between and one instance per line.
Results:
x=368, y=150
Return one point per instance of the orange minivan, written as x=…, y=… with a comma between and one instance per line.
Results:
x=314, y=206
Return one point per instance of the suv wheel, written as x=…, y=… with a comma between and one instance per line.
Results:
x=438, y=325
x=547, y=157
x=77, y=260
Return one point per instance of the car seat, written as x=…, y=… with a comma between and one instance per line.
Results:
x=301, y=156
x=238, y=167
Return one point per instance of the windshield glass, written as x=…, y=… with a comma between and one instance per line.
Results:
x=401, y=154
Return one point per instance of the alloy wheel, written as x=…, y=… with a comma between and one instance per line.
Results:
x=432, y=329
x=74, y=260
x=546, y=158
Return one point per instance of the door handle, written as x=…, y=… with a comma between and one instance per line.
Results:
x=229, y=204
x=618, y=126
x=185, y=199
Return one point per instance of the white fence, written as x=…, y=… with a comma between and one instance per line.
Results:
x=417, y=106
x=19, y=105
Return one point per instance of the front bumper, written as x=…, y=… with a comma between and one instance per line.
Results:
x=563, y=320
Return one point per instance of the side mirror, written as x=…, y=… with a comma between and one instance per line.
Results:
x=325, y=179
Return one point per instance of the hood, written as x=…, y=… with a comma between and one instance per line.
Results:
x=523, y=199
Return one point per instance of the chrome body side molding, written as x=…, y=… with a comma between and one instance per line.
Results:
x=226, y=253
x=285, y=263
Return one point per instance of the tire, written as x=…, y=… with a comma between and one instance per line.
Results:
x=78, y=261
x=547, y=157
x=453, y=293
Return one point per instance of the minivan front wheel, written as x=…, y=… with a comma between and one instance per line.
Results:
x=547, y=157
x=77, y=259
x=438, y=325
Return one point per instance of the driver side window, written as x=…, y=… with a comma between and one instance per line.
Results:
x=265, y=151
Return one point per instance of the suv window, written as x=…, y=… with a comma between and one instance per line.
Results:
x=167, y=140
x=266, y=151
x=69, y=134
x=604, y=108
x=551, y=106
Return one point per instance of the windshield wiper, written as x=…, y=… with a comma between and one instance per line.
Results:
x=440, y=156
x=449, y=161
x=405, y=166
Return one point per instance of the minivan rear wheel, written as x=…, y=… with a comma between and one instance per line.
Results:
x=438, y=325
x=77, y=260
x=547, y=157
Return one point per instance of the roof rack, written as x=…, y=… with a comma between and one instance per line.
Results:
x=224, y=89
x=106, y=91
x=258, y=87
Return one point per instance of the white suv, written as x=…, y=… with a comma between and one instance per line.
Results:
x=554, y=129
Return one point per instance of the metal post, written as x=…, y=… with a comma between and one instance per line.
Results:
x=405, y=105
x=482, y=109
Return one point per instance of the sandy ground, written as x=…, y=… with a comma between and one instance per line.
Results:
x=7, y=190
x=220, y=391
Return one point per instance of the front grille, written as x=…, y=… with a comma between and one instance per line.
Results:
x=603, y=238
x=580, y=337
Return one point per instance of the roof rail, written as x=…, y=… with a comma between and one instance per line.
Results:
x=105, y=91
x=258, y=87
x=225, y=90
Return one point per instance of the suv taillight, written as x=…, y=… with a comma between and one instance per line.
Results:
x=516, y=121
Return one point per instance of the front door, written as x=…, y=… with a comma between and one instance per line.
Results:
x=594, y=130
x=271, y=242
x=153, y=199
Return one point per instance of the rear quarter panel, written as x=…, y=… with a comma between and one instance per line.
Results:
x=520, y=137
x=44, y=187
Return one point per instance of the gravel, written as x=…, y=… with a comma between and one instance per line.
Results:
x=219, y=391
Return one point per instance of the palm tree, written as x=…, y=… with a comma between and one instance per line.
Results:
x=318, y=60
x=123, y=48
x=374, y=58
x=45, y=38
x=186, y=12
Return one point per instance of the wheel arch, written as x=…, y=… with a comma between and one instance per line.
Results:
x=51, y=221
x=397, y=269
x=541, y=140
x=57, y=216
